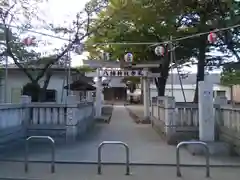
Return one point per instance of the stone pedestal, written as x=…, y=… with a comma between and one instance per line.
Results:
x=206, y=112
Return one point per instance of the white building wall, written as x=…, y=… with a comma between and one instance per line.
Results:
x=17, y=79
x=189, y=91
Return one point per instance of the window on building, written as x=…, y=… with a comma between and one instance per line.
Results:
x=219, y=93
x=16, y=95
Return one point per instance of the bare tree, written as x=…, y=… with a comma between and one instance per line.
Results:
x=16, y=21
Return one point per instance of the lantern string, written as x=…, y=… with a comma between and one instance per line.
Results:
x=138, y=43
x=197, y=35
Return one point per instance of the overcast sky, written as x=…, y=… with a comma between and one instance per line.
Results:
x=59, y=12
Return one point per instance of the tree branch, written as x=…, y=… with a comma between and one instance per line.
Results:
x=53, y=61
x=9, y=50
x=227, y=39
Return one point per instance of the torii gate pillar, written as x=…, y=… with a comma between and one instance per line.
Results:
x=146, y=97
x=98, y=105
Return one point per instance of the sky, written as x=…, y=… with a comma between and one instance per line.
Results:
x=57, y=12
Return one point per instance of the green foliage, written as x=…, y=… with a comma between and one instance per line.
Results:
x=230, y=77
x=133, y=23
x=156, y=20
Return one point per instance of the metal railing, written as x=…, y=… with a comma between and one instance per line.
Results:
x=117, y=143
x=52, y=152
x=207, y=155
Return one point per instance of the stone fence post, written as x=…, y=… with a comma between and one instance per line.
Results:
x=170, y=116
x=160, y=102
x=25, y=100
x=72, y=119
x=25, y=113
x=218, y=102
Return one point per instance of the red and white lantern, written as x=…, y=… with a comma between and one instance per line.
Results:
x=212, y=37
x=128, y=57
x=29, y=41
x=159, y=50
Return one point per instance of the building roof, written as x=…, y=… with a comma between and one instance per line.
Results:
x=80, y=85
x=54, y=67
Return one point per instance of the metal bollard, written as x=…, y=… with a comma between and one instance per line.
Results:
x=100, y=155
x=52, y=153
x=207, y=155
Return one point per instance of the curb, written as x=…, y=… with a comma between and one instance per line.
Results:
x=132, y=164
x=136, y=118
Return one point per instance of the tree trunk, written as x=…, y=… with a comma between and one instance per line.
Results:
x=200, y=65
x=42, y=95
x=161, y=84
x=162, y=80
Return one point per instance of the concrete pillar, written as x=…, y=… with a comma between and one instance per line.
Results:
x=170, y=115
x=72, y=119
x=98, y=106
x=206, y=112
x=25, y=100
x=146, y=98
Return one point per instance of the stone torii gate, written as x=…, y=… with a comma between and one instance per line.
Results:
x=138, y=70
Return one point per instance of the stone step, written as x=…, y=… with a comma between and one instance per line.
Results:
x=15, y=170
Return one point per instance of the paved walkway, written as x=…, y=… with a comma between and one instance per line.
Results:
x=137, y=109
x=15, y=171
x=145, y=145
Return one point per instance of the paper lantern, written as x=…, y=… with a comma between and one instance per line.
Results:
x=159, y=50
x=128, y=57
x=28, y=41
x=212, y=37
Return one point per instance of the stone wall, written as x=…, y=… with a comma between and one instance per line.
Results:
x=68, y=121
x=174, y=121
x=232, y=138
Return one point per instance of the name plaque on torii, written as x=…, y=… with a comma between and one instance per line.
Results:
x=123, y=73
x=123, y=69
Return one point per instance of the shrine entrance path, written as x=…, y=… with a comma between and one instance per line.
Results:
x=146, y=146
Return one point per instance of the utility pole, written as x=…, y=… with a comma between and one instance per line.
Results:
x=6, y=70
x=171, y=62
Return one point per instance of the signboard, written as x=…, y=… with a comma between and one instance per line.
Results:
x=123, y=73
